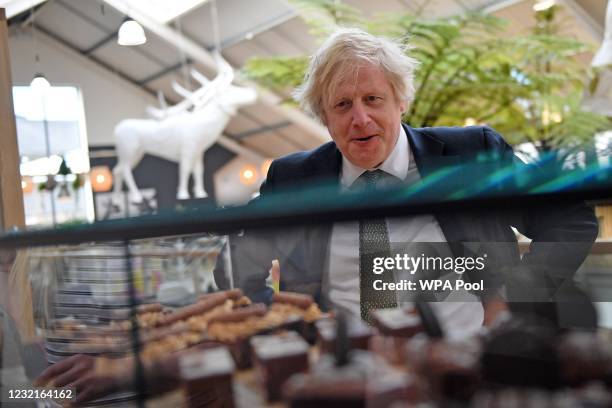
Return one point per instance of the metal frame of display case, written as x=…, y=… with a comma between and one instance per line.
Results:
x=283, y=213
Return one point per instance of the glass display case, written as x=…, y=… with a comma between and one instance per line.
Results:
x=264, y=303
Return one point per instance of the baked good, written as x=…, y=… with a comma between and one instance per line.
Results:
x=234, y=328
x=329, y=384
x=276, y=358
x=207, y=377
x=452, y=370
x=521, y=356
x=358, y=333
x=393, y=388
x=298, y=305
x=584, y=357
x=397, y=322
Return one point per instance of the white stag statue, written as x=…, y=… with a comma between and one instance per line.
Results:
x=178, y=134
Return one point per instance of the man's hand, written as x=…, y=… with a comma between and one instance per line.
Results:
x=494, y=309
x=78, y=372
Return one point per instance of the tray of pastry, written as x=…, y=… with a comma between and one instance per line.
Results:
x=241, y=353
x=223, y=318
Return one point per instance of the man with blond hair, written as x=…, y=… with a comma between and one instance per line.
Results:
x=359, y=85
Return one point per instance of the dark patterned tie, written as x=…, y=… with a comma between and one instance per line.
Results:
x=373, y=242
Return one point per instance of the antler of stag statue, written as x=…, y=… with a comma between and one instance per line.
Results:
x=180, y=133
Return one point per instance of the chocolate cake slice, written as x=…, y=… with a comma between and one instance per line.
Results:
x=358, y=334
x=278, y=357
x=207, y=377
x=397, y=322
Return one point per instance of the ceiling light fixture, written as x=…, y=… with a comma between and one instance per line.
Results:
x=40, y=82
x=131, y=33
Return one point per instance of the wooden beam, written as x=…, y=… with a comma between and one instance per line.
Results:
x=604, y=216
x=11, y=195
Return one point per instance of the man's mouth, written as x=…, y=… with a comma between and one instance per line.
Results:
x=364, y=139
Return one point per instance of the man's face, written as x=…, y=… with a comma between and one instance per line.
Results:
x=363, y=117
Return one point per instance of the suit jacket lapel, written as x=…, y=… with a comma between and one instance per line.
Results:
x=428, y=151
x=424, y=147
x=326, y=163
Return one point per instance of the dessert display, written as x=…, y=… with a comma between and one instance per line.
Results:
x=363, y=380
x=177, y=339
x=585, y=357
x=237, y=324
x=358, y=333
x=235, y=328
x=222, y=318
x=404, y=359
x=590, y=396
x=394, y=327
x=300, y=310
x=172, y=331
x=147, y=315
x=207, y=377
x=451, y=370
x=332, y=384
x=530, y=351
x=397, y=322
x=73, y=337
x=286, y=303
x=347, y=378
x=198, y=314
x=276, y=358
x=392, y=388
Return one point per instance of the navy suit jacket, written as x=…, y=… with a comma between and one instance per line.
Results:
x=561, y=234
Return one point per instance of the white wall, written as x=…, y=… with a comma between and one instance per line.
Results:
x=229, y=190
x=106, y=97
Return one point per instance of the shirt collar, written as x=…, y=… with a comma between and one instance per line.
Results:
x=396, y=164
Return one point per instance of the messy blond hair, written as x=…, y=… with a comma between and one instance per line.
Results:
x=339, y=57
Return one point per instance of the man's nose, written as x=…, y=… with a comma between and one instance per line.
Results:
x=361, y=116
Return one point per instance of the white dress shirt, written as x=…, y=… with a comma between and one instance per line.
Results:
x=458, y=318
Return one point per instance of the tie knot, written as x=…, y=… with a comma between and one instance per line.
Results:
x=369, y=180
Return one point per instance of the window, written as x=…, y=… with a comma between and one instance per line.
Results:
x=54, y=155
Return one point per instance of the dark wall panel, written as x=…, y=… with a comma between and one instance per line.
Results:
x=162, y=175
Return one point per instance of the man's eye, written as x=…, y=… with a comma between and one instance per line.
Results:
x=373, y=98
x=342, y=104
